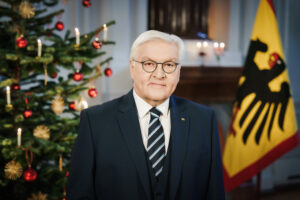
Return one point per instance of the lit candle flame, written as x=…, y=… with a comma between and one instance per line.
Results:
x=216, y=45
x=199, y=44
x=222, y=45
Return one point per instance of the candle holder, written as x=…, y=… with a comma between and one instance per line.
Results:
x=20, y=147
x=76, y=47
x=9, y=107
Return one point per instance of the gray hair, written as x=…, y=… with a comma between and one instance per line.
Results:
x=153, y=35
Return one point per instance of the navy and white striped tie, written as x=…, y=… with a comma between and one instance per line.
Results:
x=156, y=142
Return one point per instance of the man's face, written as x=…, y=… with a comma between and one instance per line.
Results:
x=157, y=86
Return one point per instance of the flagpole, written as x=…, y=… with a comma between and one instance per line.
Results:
x=258, y=182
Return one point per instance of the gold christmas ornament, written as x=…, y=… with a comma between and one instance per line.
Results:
x=57, y=105
x=13, y=170
x=98, y=69
x=26, y=10
x=19, y=118
x=38, y=196
x=42, y=131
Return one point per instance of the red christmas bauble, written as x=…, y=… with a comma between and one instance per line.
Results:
x=97, y=44
x=72, y=106
x=67, y=174
x=21, y=42
x=29, y=174
x=59, y=26
x=77, y=76
x=92, y=92
x=27, y=113
x=53, y=75
x=16, y=86
x=86, y=3
x=64, y=198
x=108, y=72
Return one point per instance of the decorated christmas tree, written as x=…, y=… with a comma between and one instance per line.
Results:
x=43, y=77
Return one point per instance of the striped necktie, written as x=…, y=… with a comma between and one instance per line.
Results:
x=156, y=142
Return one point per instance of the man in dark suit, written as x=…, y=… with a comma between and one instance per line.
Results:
x=148, y=144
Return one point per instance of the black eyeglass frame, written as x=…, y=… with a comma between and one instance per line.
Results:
x=162, y=64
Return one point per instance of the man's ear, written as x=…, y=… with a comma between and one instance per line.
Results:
x=131, y=66
x=131, y=62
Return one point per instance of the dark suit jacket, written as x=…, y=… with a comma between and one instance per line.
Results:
x=108, y=158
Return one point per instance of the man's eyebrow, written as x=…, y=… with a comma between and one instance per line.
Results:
x=166, y=60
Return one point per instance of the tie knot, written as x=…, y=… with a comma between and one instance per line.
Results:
x=154, y=112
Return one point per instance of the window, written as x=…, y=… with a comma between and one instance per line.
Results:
x=185, y=18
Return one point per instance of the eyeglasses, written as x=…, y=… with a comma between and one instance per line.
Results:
x=150, y=66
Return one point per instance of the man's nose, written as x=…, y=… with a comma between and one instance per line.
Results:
x=159, y=72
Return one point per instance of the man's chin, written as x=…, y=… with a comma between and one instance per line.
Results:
x=158, y=97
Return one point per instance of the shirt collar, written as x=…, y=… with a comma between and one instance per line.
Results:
x=143, y=107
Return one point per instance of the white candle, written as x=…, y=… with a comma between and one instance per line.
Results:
x=104, y=32
x=19, y=136
x=216, y=45
x=222, y=45
x=39, y=52
x=199, y=45
x=8, y=95
x=77, y=34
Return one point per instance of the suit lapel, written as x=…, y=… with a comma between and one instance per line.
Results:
x=130, y=130
x=179, y=136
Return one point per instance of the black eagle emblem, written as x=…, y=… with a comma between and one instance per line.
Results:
x=256, y=81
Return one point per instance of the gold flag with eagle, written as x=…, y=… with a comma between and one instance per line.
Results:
x=263, y=125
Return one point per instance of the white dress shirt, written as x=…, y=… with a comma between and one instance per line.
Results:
x=143, y=109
